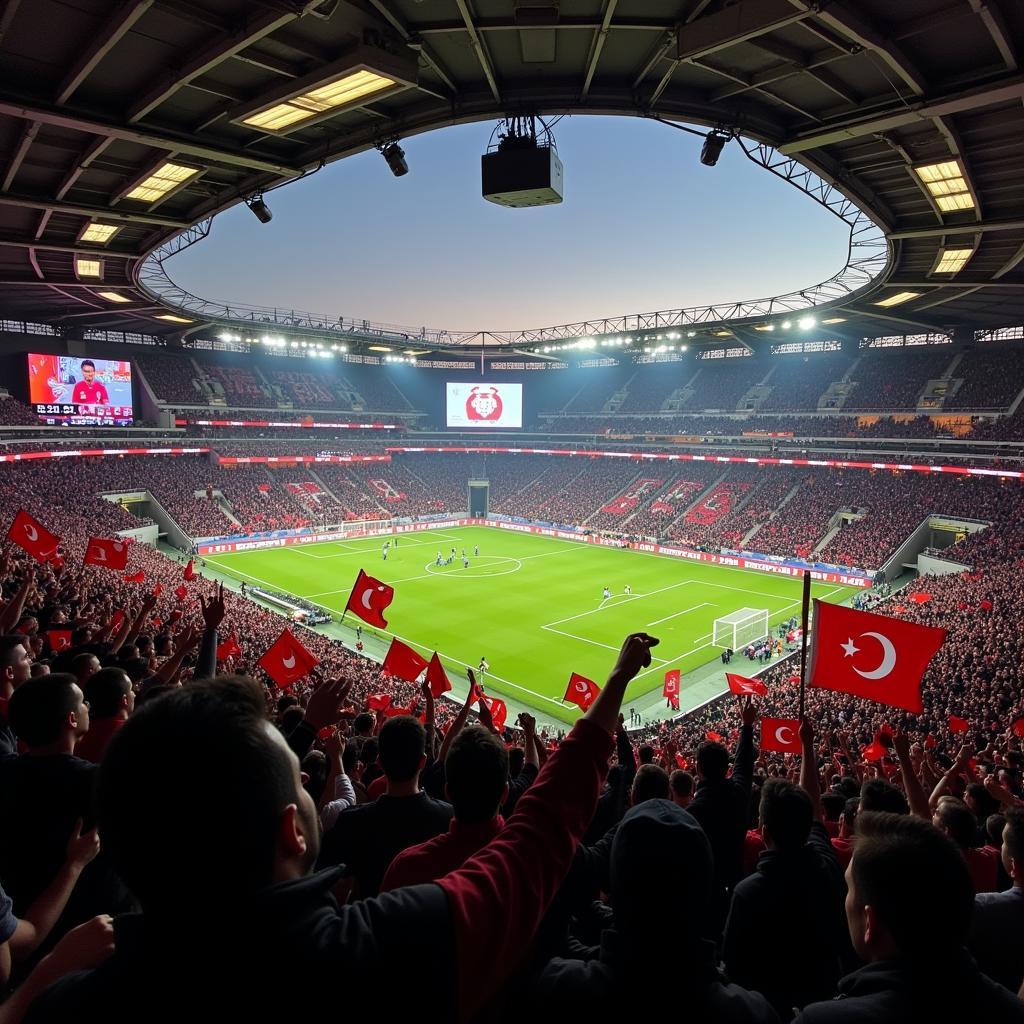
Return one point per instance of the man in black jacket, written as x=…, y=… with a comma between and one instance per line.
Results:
x=721, y=805
x=908, y=908
x=661, y=873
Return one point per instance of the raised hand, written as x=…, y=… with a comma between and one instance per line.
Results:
x=634, y=655
x=82, y=846
x=213, y=610
x=326, y=703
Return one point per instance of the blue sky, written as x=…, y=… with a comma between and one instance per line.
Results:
x=644, y=226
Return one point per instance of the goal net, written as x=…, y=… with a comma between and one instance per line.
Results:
x=741, y=628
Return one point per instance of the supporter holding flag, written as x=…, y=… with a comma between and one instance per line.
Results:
x=437, y=677
x=190, y=572
x=108, y=554
x=403, y=662
x=743, y=685
x=31, y=536
x=670, y=688
x=286, y=661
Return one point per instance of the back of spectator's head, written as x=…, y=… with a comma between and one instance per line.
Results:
x=516, y=760
x=909, y=890
x=45, y=709
x=137, y=669
x=980, y=801
x=403, y=744
x=832, y=804
x=81, y=635
x=314, y=774
x=39, y=668
x=661, y=876
x=994, y=825
x=109, y=692
x=291, y=718
x=15, y=660
x=954, y=817
x=645, y=753
x=850, y=811
x=152, y=692
x=199, y=798
x=879, y=795
x=786, y=814
x=84, y=665
x=362, y=724
x=649, y=783
x=681, y=784
x=712, y=761
x=286, y=701
x=476, y=774
x=1013, y=844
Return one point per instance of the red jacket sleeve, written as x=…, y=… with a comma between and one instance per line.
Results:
x=499, y=897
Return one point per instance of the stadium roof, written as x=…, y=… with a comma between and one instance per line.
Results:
x=124, y=124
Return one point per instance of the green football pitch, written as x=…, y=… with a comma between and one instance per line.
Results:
x=532, y=606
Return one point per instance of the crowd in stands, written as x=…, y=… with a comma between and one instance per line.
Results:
x=991, y=380
x=894, y=381
x=500, y=871
x=16, y=414
x=798, y=382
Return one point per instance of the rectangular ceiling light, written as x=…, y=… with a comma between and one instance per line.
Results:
x=947, y=185
x=171, y=318
x=364, y=73
x=99, y=233
x=378, y=348
x=835, y=320
x=765, y=327
x=897, y=298
x=113, y=297
x=952, y=261
x=342, y=92
x=166, y=178
x=86, y=267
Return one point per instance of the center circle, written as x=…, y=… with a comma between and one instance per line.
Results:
x=479, y=567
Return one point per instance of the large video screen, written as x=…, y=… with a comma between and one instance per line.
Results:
x=73, y=391
x=484, y=405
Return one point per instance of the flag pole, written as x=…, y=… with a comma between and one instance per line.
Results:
x=359, y=576
x=804, y=614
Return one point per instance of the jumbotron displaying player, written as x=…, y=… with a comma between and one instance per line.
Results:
x=89, y=391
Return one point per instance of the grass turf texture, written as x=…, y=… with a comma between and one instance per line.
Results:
x=532, y=606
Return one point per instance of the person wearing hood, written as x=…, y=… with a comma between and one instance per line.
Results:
x=908, y=908
x=795, y=895
x=662, y=902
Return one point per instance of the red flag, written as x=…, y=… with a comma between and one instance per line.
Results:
x=741, y=684
x=158, y=590
x=378, y=701
x=682, y=762
x=1018, y=728
x=181, y=592
x=228, y=649
x=930, y=742
x=59, y=639
x=369, y=598
x=116, y=619
x=394, y=711
x=671, y=687
x=286, y=660
x=986, y=605
x=874, y=751
x=30, y=535
x=437, y=677
x=403, y=662
x=110, y=554
x=871, y=655
x=921, y=598
x=190, y=572
x=715, y=737
x=499, y=712
x=581, y=691
x=782, y=734
x=134, y=577
x=958, y=724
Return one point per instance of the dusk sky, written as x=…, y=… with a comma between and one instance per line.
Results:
x=644, y=226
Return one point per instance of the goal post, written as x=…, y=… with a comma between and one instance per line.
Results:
x=741, y=628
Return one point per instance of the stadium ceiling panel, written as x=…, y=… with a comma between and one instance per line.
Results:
x=124, y=124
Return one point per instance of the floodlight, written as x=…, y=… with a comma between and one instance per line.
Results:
x=395, y=157
x=260, y=209
x=712, y=148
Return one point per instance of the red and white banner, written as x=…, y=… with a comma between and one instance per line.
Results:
x=298, y=424
x=67, y=453
x=290, y=460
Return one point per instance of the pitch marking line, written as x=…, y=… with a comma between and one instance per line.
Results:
x=625, y=598
x=703, y=604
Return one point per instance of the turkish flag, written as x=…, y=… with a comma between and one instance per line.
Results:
x=190, y=572
x=228, y=649
x=874, y=751
x=286, y=660
x=111, y=554
x=134, y=577
x=116, y=619
x=682, y=762
x=741, y=684
x=403, y=662
x=59, y=639
x=30, y=535
x=715, y=737
x=871, y=655
x=499, y=712
x=181, y=592
x=921, y=598
x=958, y=724
x=581, y=691
x=1017, y=728
x=378, y=701
x=394, y=711
x=369, y=598
x=158, y=590
x=782, y=734
x=437, y=677
x=671, y=687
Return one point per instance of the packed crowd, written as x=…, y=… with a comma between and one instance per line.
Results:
x=895, y=381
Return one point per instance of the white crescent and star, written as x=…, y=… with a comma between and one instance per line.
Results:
x=888, y=662
x=288, y=662
x=99, y=554
x=784, y=739
x=365, y=598
x=582, y=688
x=31, y=532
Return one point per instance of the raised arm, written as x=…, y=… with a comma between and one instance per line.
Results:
x=460, y=719
x=743, y=770
x=916, y=796
x=810, y=782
